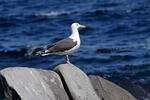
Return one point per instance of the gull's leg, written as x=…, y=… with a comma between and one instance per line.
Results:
x=67, y=59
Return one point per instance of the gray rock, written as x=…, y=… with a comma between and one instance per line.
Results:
x=108, y=90
x=76, y=82
x=6, y=92
x=31, y=84
x=20, y=83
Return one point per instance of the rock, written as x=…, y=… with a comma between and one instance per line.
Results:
x=69, y=83
x=137, y=91
x=6, y=92
x=108, y=90
x=31, y=84
x=77, y=84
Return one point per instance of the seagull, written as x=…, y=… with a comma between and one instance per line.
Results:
x=65, y=46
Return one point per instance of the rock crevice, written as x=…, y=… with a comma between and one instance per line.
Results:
x=65, y=86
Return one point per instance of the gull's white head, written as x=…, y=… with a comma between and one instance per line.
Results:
x=75, y=33
x=77, y=25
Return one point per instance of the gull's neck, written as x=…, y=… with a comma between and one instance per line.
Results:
x=75, y=34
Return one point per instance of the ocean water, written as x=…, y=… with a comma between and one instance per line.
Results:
x=115, y=44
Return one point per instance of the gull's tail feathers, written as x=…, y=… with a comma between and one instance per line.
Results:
x=43, y=53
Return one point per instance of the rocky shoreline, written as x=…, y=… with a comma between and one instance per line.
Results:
x=65, y=82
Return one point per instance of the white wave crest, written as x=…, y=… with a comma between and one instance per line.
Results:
x=53, y=14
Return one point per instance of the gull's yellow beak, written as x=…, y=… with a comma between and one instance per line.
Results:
x=82, y=26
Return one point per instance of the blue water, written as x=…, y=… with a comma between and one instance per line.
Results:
x=115, y=44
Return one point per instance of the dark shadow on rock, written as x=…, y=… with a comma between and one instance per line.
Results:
x=6, y=92
x=146, y=86
x=137, y=91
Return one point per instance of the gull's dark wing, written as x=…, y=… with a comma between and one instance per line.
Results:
x=61, y=46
